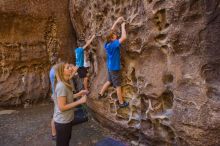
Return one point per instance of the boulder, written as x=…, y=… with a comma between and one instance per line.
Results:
x=32, y=34
x=170, y=68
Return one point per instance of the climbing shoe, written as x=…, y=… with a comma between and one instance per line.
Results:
x=125, y=104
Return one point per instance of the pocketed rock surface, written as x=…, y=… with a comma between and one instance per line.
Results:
x=170, y=68
x=32, y=34
x=170, y=63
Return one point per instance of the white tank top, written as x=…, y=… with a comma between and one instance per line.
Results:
x=86, y=61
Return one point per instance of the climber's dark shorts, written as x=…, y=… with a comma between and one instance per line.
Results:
x=82, y=71
x=114, y=77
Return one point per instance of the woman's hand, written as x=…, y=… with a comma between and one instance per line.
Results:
x=83, y=92
x=82, y=100
x=80, y=93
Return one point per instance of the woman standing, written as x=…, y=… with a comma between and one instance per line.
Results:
x=63, y=110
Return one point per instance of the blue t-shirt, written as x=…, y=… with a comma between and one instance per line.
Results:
x=113, y=55
x=52, y=78
x=79, y=57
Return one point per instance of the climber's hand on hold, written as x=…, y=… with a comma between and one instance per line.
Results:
x=120, y=19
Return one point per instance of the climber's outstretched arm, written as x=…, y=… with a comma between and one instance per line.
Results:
x=116, y=22
x=88, y=42
x=123, y=33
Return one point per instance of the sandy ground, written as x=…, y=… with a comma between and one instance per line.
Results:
x=31, y=127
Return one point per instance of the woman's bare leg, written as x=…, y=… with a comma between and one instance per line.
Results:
x=53, y=129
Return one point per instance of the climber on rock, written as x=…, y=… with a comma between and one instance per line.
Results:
x=112, y=48
x=82, y=70
x=86, y=65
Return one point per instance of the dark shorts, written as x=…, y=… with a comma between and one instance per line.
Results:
x=115, y=78
x=82, y=71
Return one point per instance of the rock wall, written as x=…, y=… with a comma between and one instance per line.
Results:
x=170, y=68
x=31, y=33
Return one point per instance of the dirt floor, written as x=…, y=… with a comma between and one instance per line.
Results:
x=31, y=127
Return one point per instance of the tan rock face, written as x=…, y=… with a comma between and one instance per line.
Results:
x=31, y=34
x=170, y=68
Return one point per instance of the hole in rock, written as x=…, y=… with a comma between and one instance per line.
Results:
x=89, y=15
x=146, y=125
x=136, y=114
x=119, y=118
x=160, y=19
x=129, y=91
x=134, y=108
x=158, y=4
x=161, y=37
x=213, y=93
x=123, y=113
x=117, y=2
x=192, y=18
x=167, y=99
x=112, y=108
x=105, y=11
x=117, y=10
x=133, y=123
x=114, y=96
x=166, y=25
x=180, y=141
x=194, y=5
x=144, y=107
x=166, y=133
x=133, y=76
x=211, y=72
x=165, y=49
x=167, y=78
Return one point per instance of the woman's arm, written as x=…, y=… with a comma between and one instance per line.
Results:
x=74, y=70
x=64, y=107
x=80, y=93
